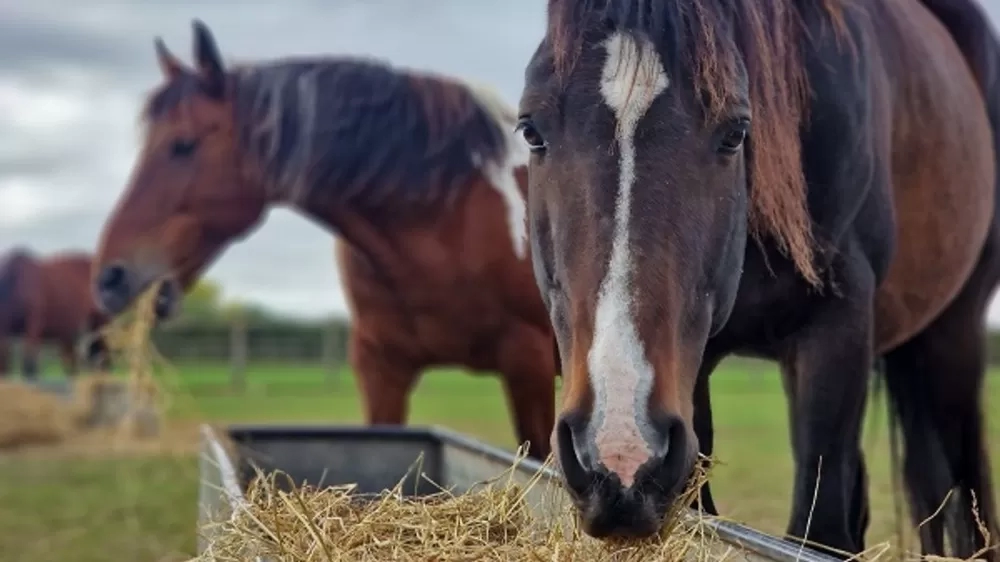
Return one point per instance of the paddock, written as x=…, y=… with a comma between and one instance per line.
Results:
x=141, y=499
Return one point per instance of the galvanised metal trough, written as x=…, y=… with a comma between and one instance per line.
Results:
x=378, y=458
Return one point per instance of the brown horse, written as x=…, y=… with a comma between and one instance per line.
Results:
x=810, y=181
x=421, y=175
x=48, y=300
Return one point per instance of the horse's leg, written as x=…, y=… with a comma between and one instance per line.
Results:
x=528, y=370
x=29, y=352
x=935, y=384
x=704, y=429
x=32, y=343
x=4, y=357
x=67, y=351
x=831, y=358
x=385, y=381
x=859, y=513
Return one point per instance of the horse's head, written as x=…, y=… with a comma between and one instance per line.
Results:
x=639, y=217
x=188, y=195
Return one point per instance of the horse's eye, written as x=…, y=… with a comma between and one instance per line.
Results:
x=536, y=143
x=732, y=141
x=182, y=148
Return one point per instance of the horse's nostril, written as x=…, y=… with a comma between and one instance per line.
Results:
x=571, y=460
x=112, y=278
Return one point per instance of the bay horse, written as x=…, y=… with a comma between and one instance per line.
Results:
x=421, y=175
x=808, y=181
x=49, y=300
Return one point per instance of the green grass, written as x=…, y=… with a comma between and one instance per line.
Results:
x=144, y=509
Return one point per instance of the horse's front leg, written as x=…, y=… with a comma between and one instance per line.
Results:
x=704, y=429
x=384, y=378
x=528, y=369
x=830, y=360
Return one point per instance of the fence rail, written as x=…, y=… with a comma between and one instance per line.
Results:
x=241, y=344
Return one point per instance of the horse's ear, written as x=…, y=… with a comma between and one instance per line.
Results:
x=169, y=65
x=208, y=60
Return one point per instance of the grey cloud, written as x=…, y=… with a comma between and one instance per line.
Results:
x=288, y=262
x=35, y=48
x=34, y=163
x=68, y=230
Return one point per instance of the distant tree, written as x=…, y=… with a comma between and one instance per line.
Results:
x=250, y=312
x=203, y=302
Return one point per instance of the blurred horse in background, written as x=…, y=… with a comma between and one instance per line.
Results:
x=419, y=174
x=49, y=300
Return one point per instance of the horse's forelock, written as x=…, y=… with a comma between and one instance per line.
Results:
x=722, y=38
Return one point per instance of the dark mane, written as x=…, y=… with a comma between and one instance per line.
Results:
x=361, y=132
x=718, y=37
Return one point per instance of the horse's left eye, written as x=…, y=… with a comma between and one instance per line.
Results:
x=536, y=143
x=734, y=138
x=182, y=148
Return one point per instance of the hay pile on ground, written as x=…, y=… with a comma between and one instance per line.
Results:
x=492, y=522
x=30, y=416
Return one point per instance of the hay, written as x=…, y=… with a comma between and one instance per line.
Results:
x=32, y=416
x=491, y=522
x=103, y=400
x=128, y=338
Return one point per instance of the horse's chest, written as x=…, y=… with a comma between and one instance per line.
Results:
x=455, y=326
x=767, y=312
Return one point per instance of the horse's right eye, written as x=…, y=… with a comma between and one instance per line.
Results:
x=183, y=148
x=536, y=143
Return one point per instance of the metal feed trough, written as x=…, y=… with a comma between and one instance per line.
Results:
x=377, y=458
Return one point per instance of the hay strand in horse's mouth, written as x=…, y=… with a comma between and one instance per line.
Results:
x=494, y=521
x=130, y=336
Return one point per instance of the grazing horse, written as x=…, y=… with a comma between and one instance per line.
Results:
x=48, y=300
x=421, y=175
x=808, y=181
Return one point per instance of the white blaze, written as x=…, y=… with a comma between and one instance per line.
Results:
x=620, y=374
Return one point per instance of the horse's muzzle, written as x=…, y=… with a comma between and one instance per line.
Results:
x=116, y=287
x=607, y=507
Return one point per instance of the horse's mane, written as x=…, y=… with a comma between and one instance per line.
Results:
x=719, y=36
x=361, y=132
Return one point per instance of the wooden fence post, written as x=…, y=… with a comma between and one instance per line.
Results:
x=238, y=353
x=333, y=354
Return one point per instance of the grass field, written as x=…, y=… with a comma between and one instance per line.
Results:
x=57, y=506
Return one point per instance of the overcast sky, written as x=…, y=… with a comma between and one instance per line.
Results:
x=72, y=75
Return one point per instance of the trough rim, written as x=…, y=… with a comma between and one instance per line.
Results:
x=730, y=532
